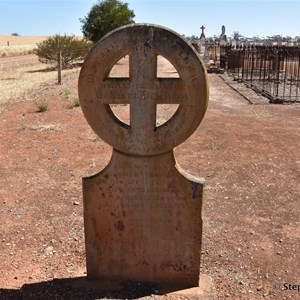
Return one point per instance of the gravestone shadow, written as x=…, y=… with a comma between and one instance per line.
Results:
x=48, y=70
x=80, y=289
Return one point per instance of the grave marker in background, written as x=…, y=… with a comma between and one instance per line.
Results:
x=142, y=213
x=202, y=42
x=223, y=37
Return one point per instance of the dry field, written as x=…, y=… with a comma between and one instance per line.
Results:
x=21, y=40
x=21, y=77
x=19, y=45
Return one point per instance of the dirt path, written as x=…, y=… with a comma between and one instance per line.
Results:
x=248, y=155
x=18, y=61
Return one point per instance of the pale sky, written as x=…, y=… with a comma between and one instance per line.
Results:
x=249, y=17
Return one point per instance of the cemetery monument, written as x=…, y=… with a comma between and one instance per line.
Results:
x=142, y=212
x=202, y=42
x=223, y=37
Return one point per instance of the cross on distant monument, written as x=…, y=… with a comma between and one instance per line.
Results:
x=142, y=212
x=202, y=33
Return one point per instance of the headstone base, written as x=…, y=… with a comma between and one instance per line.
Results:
x=205, y=291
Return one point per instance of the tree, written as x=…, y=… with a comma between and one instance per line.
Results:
x=236, y=35
x=71, y=48
x=105, y=16
x=287, y=39
x=274, y=38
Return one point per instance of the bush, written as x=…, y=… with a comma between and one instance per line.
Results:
x=74, y=102
x=42, y=105
x=104, y=17
x=72, y=49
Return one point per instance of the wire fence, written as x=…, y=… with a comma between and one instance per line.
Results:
x=273, y=71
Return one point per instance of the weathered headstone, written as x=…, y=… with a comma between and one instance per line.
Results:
x=223, y=43
x=206, y=56
x=142, y=212
x=223, y=37
x=233, y=44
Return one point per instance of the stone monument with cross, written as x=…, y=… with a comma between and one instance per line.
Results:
x=202, y=42
x=142, y=212
x=202, y=36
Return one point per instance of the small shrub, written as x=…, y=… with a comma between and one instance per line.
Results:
x=74, y=103
x=66, y=93
x=42, y=105
x=94, y=138
x=216, y=147
x=72, y=49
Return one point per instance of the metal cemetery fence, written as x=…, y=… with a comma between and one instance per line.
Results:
x=273, y=71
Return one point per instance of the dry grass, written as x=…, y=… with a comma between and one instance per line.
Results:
x=18, y=84
x=16, y=50
x=45, y=127
x=19, y=45
x=21, y=40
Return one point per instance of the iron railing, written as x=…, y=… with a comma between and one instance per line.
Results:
x=274, y=71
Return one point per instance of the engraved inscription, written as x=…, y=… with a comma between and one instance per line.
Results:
x=142, y=187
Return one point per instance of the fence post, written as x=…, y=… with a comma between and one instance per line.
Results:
x=277, y=82
x=59, y=67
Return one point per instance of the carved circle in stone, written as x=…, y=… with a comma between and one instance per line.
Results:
x=143, y=91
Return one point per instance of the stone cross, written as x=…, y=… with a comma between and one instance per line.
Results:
x=202, y=33
x=202, y=42
x=142, y=212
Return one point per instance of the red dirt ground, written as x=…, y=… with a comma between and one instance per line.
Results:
x=248, y=155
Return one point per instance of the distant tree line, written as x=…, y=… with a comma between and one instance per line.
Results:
x=239, y=37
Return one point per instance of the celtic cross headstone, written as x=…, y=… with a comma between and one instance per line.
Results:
x=142, y=212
